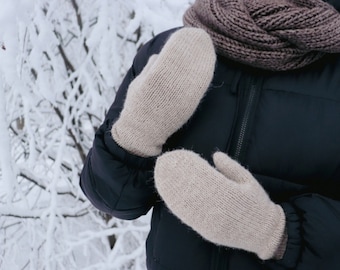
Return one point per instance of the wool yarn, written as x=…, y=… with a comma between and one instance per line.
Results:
x=269, y=34
x=225, y=205
x=162, y=98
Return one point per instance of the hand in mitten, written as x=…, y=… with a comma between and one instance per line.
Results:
x=162, y=98
x=226, y=206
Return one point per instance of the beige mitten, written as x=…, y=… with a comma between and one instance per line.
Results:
x=226, y=206
x=167, y=92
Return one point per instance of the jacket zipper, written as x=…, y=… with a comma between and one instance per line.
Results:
x=245, y=121
x=249, y=97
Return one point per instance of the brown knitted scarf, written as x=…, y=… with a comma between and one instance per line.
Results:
x=270, y=34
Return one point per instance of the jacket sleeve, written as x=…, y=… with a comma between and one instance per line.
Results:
x=115, y=181
x=313, y=228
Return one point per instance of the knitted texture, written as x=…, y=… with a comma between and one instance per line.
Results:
x=270, y=34
x=167, y=92
x=226, y=206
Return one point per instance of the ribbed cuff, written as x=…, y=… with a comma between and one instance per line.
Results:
x=138, y=162
x=293, y=243
x=282, y=247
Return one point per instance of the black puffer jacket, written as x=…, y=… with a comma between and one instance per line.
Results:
x=284, y=127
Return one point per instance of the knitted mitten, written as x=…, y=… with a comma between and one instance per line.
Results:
x=167, y=92
x=226, y=206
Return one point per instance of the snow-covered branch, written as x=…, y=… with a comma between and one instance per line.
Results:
x=61, y=64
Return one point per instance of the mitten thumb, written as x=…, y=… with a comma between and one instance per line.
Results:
x=231, y=169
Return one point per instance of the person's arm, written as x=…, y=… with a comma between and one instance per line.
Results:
x=155, y=99
x=313, y=229
x=114, y=180
x=301, y=233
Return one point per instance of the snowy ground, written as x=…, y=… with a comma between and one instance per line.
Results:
x=61, y=62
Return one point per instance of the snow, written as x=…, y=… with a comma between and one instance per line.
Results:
x=61, y=62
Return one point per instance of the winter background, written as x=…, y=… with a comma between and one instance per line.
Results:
x=61, y=62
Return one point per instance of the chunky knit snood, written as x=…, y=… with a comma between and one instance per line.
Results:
x=270, y=34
